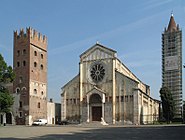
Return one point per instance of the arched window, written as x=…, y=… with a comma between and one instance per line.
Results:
x=35, y=53
x=20, y=79
x=18, y=53
x=41, y=56
x=24, y=63
x=41, y=67
x=18, y=64
x=35, y=64
x=17, y=90
x=42, y=93
x=24, y=51
x=35, y=91
x=23, y=89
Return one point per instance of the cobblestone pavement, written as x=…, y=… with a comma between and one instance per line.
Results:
x=94, y=132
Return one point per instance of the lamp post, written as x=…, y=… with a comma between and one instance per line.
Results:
x=183, y=105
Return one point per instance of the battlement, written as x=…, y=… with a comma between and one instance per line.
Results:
x=30, y=33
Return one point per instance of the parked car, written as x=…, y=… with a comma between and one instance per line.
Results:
x=64, y=122
x=40, y=122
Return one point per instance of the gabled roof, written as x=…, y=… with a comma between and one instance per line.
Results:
x=96, y=89
x=172, y=25
x=95, y=46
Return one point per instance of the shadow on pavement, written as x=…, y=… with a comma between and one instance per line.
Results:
x=121, y=133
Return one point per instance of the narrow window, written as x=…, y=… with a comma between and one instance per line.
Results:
x=18, y=64
x=122, y=98
x=20, y=114
x=17, y=90
x=35, y=91
x=20, y=104
x=117, y=98
x=41, y=56
x=41, y=67
x=24, y=51
x=38, y=104
x=24, y=63
x=35, y=53
x=20, y=79
x=35, y=64
x=18, y=53
x=74, y=101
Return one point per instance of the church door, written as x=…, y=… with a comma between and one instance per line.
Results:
x=96, y=107
x=96, y=113
x=8, y=118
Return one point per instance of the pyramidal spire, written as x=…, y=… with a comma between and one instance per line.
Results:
x=172, y=25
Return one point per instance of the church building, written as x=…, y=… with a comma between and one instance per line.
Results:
x=106, y=90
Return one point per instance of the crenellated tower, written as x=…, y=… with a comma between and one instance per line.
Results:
x=30, y=84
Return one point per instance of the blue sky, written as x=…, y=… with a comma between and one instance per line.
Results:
x=131, y=27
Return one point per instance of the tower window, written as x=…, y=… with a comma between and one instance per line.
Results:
x=41, y=56
x=20, y=79
x=24, y=52
x=38, y=104
x=42, y=93
x=18, y=64
x=18, y=53
x=17, y=90
x=35, y=53
x=24, y=63
x=35, y=91
x=20, y=114
x=35, y=64
x=24, y=89
x=41, y=67
x=20, y=104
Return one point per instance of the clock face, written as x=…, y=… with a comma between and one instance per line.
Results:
x=97, y=72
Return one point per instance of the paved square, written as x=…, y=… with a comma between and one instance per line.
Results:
x=94, y=133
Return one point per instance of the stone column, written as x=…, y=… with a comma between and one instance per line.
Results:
x=88, y=112
x=103, y=111
x=81, y=94
x=114, y=92
x=103, y=106
x=4, y=119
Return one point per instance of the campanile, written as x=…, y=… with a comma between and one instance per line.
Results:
x=30, y=84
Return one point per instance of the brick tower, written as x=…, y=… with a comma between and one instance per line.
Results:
x=30, y=84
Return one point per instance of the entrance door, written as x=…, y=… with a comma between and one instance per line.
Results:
x=8, y=118
x=96, y=113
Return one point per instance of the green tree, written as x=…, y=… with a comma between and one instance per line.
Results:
x=167, y=104
x=6, y=76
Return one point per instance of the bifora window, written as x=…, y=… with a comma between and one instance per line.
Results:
x=97, y=72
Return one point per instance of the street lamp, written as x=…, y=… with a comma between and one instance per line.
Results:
x=183, y=109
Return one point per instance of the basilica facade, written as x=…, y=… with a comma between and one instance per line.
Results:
x=106, y=90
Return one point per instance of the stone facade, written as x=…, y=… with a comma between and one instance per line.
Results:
x=53, y=112
x=30, y=84
x=105, y=89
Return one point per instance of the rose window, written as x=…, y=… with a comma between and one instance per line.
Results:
x=97, y=72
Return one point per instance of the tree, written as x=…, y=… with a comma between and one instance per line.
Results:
x=6, y=101
x=167, y=104
x=6, y=76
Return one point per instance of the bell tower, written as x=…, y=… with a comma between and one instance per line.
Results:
x=172, y=64
x=30, y=84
